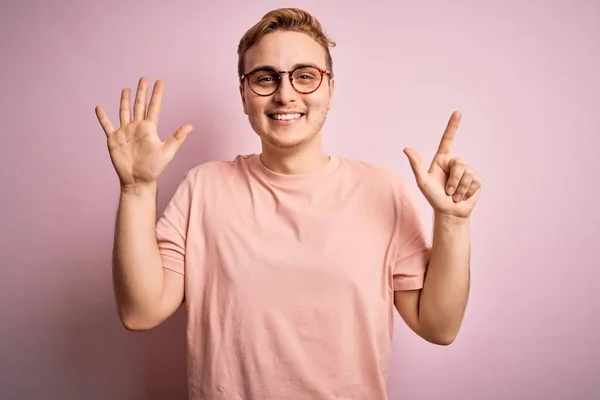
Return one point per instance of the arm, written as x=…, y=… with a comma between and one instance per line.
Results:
x=146, y=293
x=436, y=311
x=452, y=188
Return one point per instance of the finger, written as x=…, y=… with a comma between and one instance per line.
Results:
x=125, y=107
x=473, y=188
x=445, y=146
x=174, y=142
x=139, y=108
x=457, y=169
x=415, y=163
x=155, y=101
x=463, y=186
x=473, y=198
x=104, y=121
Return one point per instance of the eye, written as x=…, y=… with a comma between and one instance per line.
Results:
x=306, y=74
x=262, y=77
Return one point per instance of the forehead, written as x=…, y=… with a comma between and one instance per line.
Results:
x=283, y=50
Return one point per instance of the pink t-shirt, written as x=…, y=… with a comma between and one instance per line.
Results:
x=290, y=279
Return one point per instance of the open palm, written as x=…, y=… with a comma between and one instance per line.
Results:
x=136, y=151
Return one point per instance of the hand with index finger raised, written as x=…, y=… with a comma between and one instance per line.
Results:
x=450, y=185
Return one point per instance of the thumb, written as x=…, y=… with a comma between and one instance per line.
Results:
x=174, y=142
x=415, y=163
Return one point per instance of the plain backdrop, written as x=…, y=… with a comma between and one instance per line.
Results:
x=524, y=75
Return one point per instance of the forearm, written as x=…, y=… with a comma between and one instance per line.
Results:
x=446, y=288
x=137, y=264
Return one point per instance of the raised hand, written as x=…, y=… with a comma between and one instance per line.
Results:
x=136, y=151
x=450, y=185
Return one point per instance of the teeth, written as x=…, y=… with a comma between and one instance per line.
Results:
x=286, y=117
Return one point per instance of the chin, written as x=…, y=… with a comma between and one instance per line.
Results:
x=283, y=143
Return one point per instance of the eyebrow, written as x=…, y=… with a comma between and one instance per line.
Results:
x=276, y=69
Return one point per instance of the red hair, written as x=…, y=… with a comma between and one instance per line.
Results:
x=285, y=19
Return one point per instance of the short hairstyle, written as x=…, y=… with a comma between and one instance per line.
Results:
x=285, y=19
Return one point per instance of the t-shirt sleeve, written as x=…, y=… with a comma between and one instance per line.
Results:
x=171, y=228
x=413, y=249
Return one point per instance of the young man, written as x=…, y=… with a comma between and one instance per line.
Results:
x=290, y=261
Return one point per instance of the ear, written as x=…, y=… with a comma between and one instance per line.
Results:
x=331, y=93
x=242, y=95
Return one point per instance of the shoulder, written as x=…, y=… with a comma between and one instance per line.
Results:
x=366, y=168
x=213, y=169
x=376, y=177
x=208, y=179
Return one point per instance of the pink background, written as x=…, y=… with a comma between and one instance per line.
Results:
x=525, y=75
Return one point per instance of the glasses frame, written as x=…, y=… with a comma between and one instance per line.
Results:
x=246, y=77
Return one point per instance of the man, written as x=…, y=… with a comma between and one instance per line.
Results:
x=289, y=262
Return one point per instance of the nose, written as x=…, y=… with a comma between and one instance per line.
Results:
x=285, y=92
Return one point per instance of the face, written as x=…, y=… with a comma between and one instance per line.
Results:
x=287, y=119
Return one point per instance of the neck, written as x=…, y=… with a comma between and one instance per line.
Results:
x=302, y=159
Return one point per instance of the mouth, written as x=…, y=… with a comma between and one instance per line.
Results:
x=285, y=116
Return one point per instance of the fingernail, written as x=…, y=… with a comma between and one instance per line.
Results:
x=457, y=197
x=450, y=190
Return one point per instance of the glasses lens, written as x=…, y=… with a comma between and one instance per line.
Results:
x=263, y=81
x=306, y=79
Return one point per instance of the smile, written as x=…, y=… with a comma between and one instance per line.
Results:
x=285, y=117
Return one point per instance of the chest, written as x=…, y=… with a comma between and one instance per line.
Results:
x=256, y=233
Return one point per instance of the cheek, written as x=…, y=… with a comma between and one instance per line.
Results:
x=254, y=106
x=318, y=103
x=255, y=110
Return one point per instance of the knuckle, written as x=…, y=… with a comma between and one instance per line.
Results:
x=453, y=182
x=462, y=187
x=457, y=162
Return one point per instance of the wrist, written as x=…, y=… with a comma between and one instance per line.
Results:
x=138, y=189
x=451, y=220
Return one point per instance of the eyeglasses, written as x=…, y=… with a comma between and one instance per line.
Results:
x=304, y=79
